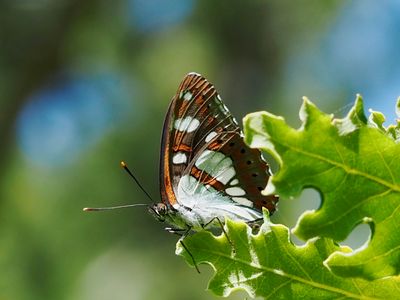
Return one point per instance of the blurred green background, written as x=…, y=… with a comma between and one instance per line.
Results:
x=85, y=84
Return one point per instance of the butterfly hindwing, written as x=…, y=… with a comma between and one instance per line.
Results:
x=234, y=170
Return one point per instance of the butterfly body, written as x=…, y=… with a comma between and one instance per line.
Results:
x=207, y=173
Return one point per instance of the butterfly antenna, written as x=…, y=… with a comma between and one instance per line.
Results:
x=125, y=167
x=112, y=207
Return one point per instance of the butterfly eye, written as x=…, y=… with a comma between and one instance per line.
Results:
x=159, y=211
x=242, y=150
x=249, y=162
x=254, y=174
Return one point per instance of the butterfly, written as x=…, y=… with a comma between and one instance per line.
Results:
x=207, y=172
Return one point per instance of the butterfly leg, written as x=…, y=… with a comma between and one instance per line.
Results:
x=185, y=234
x=223, y=230
x=191, y=256
x=177, y=231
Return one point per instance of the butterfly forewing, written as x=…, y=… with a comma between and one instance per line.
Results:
x=196, y=114
x=202, y=141
x=199, y=115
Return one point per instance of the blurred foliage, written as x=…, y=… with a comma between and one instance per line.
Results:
x=84, y=84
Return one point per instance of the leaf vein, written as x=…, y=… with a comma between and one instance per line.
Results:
x=274, y=291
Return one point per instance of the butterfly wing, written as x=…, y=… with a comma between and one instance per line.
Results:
x=195, y=115
x=233, y=169
x=203, y=151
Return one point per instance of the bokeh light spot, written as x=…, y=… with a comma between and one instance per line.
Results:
x=154, y=15
x=64, y=119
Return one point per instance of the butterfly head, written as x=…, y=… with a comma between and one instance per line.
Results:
x=159, y=211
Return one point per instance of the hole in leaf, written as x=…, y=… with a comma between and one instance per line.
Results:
x=359, y=236
x=291, y=209
x=271, y=161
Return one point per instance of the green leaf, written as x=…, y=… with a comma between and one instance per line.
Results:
x=269, y=265
x=376, y=119
x=355, y=165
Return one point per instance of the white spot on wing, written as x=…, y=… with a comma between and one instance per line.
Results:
x=235, y=191
x=202, y=159
x=226, y=175
x=234, y=182
x=217, y=165
x=187, y=96
x=210, y=136
x=188, y=187
x=179, y=158
x=243, y=201
x=187, y=124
